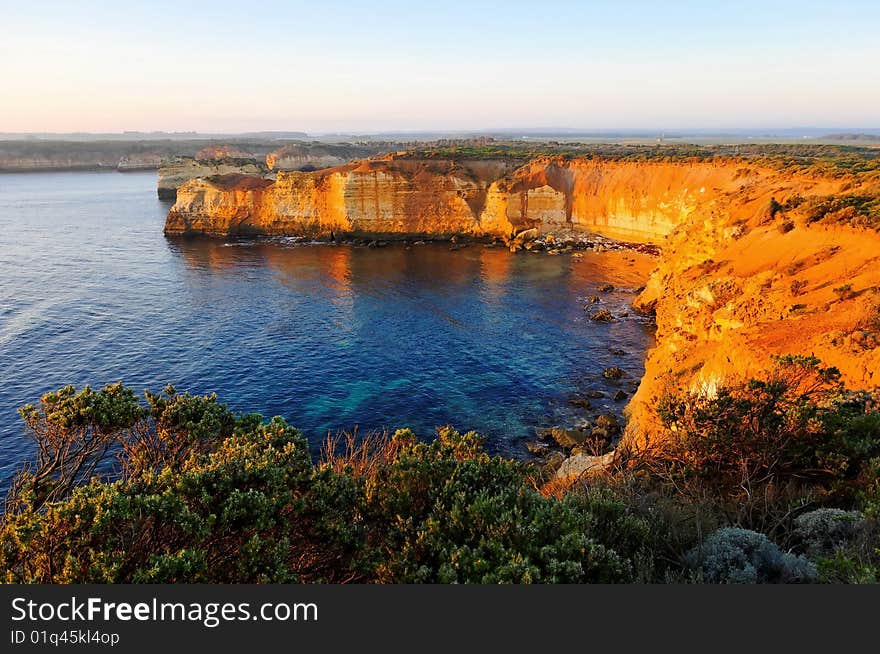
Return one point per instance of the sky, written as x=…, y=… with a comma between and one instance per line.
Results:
x=328, y=66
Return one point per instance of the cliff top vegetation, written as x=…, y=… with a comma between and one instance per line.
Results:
x=819, y=159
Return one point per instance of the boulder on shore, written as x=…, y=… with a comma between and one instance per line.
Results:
x=567, y=438
x=613, y=373
x=580, y=464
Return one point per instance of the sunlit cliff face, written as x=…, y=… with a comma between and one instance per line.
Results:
x=640, y=202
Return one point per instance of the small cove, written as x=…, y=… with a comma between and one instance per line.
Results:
x=331, y=337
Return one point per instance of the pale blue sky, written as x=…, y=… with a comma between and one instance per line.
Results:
x=365, y=66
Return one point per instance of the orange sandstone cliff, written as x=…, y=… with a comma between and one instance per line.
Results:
x=749, y=266
x=372, y=197
x=746, y=280
x=494, y=198
x=255, y=160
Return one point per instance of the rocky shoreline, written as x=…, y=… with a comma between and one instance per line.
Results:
x=549, y=243
x=565, y=451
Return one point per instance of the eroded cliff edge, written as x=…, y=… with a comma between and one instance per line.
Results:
x=757, y=259
x=256, y=161
x=430, y=197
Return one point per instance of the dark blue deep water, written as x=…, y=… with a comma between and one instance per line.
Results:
x=329, y=337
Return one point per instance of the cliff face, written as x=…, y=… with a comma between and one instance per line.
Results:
x=738, y=285
x=739, y=278
x=634, y=201
x=640, y=202
x=364, y=198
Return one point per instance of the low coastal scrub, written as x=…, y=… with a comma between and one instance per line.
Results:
x=777, y=480
x=798, y=429
x=855, y=162
x=740, y=556
x=794, y=457
x=859, y=211
x=194, y=493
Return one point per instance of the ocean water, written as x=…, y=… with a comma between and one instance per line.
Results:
x=329, y=337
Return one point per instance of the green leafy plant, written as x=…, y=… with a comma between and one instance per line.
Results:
x=740, y=556
x=844, y=291
x=203, y=495
x=765, y=443
x=177, y=488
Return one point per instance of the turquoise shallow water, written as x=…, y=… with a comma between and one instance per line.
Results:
x=329, y=337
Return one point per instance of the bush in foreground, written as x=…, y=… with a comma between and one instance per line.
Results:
x=765, y=450
x=782, y=473
x=194, y=493
x=739, y=556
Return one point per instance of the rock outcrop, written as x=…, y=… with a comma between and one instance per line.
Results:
x=579, y=465
x=748, y=269
x=314, y=156
x=176, y=171
x=366, y=198
x=217, y=160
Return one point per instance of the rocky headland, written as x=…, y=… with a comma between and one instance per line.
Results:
x=36, y=156
x=403, y=197
x=218, y=160
x=120, y=154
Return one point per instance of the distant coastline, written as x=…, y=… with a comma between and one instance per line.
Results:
x=21, y=152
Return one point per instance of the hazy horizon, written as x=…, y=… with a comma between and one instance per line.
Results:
x=356, y=68
x=527, y=130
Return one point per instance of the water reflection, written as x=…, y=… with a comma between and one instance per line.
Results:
x=423, y=335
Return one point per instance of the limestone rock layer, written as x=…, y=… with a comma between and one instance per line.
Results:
x=407, y=197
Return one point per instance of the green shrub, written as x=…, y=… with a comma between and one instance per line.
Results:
x=74, y=432
x=773, y=208
x=740, y=556
x=446, y=512
x=234, y=514
x=207, y=496
x=868, y=494
x=798, y=286
x=845, y=569
x=844, y=544
x=824, y=531
x=797, y=426
x=191, y=492
x=844, y=292
x=854, y=210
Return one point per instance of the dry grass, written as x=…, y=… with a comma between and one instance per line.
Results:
x=558, y=488
x=359, y=456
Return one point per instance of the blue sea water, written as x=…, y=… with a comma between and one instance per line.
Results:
x=329, y=337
